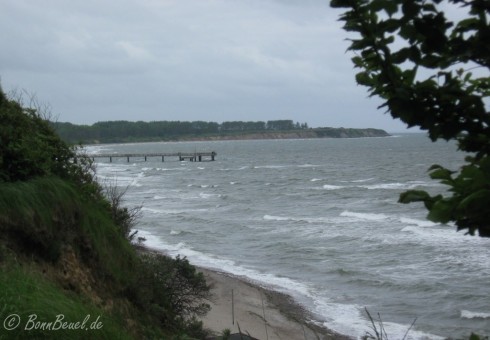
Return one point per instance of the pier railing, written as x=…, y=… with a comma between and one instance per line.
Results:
x=182, y=156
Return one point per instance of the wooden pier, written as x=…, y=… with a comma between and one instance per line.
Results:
x=182, y=156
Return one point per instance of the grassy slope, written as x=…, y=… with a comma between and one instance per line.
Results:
x=61, y=254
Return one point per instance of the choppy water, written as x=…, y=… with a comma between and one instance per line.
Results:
x=318, y=219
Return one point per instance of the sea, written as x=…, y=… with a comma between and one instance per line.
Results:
x=317, y=219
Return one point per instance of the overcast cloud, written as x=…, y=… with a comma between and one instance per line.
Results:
x=211, y=60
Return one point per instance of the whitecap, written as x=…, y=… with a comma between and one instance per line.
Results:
x=283, y=284
x=206, y=196
x=172, y=211
x=362, y=180
x=419, y=223
x=387, y=186
x=269, y=166
x=466, y=314
x=157, y=197
x=332, y=187
x=311, y=220
x=343, y=318
x=351, y=319
x=364, y=216
x=276, y=218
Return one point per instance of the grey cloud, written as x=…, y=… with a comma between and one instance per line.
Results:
x=187, y=59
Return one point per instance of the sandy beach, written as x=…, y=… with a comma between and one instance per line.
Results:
x=242, y=307
x=263, y=314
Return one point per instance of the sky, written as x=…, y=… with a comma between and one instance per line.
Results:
x=210, y=60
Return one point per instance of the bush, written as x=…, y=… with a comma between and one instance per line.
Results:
x=124, y=218
x=172, y=290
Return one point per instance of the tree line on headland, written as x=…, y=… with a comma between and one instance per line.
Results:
x=126, y=131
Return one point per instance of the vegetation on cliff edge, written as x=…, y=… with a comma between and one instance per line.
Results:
x=67, y=267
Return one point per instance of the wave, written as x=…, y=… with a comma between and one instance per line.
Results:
x=350, y=319
x=157, y=197
x=277, y=218
x=466, y=314
x=298, y=219
x=179, y=232
x=332, y=187
x=377, y=186
x=362, y=180
x=210, y=261
x=172, y=211
x=307, y=166
x=206, y=196
x=202, y=186
x=365, y=216
x=340, y=317
x=233, y=169
x=270, y=166
x=419, y=223
x=392, y=186
x=163, y=169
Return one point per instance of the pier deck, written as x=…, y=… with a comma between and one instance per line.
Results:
x=182, y=156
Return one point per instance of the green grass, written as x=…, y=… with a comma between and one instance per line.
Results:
x=45, y=214
x=28, y=301
x=38, y=220
x=62, y=258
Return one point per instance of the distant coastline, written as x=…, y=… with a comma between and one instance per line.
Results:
x=303, y=134
x=133, y=132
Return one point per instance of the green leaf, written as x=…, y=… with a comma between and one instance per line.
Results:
x=363, y=78
x=410, y=9
x=466, y=24
x=441, y=211
x=474, y=336
x=435, y=166
x=340, y=3
x=390, y=25
x=401, y=56
x=391, y=7
x=413, y=196
x=409, y=76
x=442, y=173
x=476, y=201
x=358, y=61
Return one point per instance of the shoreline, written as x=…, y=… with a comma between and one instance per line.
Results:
x=240, y=305
x=263, y=313
x=314, y=133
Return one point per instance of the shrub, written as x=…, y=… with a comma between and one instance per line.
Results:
x=171, y=289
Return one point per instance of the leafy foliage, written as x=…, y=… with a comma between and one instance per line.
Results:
x=28, y=145
x=30, y=148
x=172, y=289
x=57, y=221
x=432, y=73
